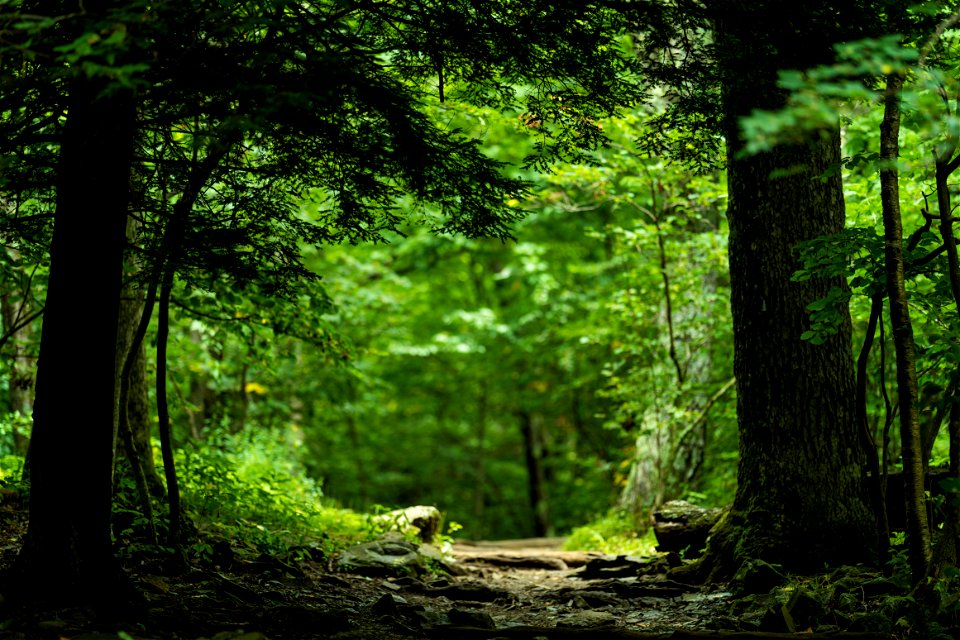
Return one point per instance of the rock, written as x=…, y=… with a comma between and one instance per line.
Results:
x=425, y=521
x=468, y=618
x=757, y=576
x=593, y=599
x=588, y=618
x=618, y=567
x=683, y=527
x=803, y=611
x=626, y=566
x=391, y=555
x=389, y=604
x=440, y=560
x=473, y=592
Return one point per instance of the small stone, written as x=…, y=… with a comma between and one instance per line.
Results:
x=467, y=618
x=388, y=604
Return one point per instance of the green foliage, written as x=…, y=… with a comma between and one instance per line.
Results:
x=11, y=470
x=250, y=487
x=10, y=424
x=616, y=532
x=818, y=95
x=282, y=142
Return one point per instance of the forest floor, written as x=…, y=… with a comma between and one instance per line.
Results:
x=511, y=589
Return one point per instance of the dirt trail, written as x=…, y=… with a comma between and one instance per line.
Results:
x=524, y=590
x=533, y=583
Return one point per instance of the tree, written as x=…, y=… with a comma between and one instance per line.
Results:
x=238, y=114
x=802, y=497
x=914, y=464
x=73, y=434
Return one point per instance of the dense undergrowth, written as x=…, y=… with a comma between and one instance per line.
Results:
x=615, y=532
x=251, y=490
x=247, y=489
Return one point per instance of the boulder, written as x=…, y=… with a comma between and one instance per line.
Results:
x=391, y=555
x=683, y=527
x=423, y=520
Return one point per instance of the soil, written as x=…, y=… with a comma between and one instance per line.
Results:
x=509, y=589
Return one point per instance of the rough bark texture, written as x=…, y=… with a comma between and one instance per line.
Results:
x=67, y=555
x=802, y=498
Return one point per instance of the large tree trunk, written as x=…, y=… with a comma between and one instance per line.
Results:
x=67, y=554
x=802, y=497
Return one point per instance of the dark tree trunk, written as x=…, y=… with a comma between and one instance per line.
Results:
x=918, y=530
x=531, y=426
x=802, y=498
x=480, y=465
x=163, y=414
x=67, y=553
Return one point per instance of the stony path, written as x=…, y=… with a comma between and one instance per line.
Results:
x=533, y=583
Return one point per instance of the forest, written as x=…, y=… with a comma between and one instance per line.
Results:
x=479, y=319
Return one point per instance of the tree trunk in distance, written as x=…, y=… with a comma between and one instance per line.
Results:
x=531, y=428
x=876, y=485
x=13, y=311
x=163, y=414
x=134, y=405
x=947, y=547
x=480, y=464
x=802, y=498
x=131, y=310
x=67, y=554
x=918, y=530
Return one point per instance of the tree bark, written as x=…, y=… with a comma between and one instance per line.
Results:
x=163, y=414
x=918, y=530
x=67, y=554
x=802, y=498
